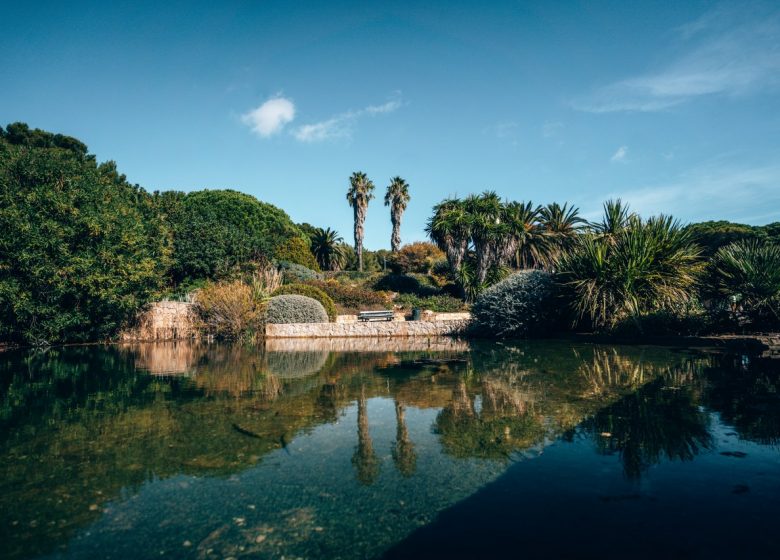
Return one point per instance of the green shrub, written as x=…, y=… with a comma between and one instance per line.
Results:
x=229, y=309
x=296, y=250
x=294, y=309
x=294, y=273
x=440, y=303
x=312, y=292
x=216, y=231
x=418, y=285
x=522, y=305
x=81, y=249
x=350, y=297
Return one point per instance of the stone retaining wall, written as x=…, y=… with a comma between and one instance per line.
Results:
x=376, y=329
x=164, y=320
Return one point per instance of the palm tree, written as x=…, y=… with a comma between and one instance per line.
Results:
x=359, y=194
x=396, y=197
x=449, y=228
x=326, y=245
x=530, y=247
x=561, y=225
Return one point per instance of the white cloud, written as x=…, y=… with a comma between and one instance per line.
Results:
x=341, y=125
x=270, y=117
x=712, y=192
x=722, y=53
x=620, y=154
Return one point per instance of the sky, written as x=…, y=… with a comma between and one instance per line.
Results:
x=673, y=106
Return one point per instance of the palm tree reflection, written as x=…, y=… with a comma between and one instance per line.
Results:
x=404, y=457
x=364, y=459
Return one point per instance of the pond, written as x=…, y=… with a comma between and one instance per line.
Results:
x=387, y=448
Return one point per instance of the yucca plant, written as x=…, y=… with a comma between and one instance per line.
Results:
x=647, y=266
x=748, y=272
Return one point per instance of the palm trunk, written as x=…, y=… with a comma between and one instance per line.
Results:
x=395, y=239
x=360, y=217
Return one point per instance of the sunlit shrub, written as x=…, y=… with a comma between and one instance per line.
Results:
x=522, y=305
x=294, y=309
x=418, y=284
x=312, y=292
x=439, y=303
x=415, y=257
x=352, y=298
x=229, y=309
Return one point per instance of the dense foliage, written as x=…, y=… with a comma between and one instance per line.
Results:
x=294, y=309
x=440, y=303
x=748, y=274
x=81, y=249
x=415, y=257
x=521, y=305
x=216, y=231
x=293, y=273
x=643, y=267
x=417, y=284
x=711, y=236
x=296, y=250
x=312, y=292
x=352, y=298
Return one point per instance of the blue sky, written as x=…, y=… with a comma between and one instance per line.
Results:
x=675, y=106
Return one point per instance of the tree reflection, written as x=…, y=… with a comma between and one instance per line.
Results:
x=404, y=457
x=365, y=459
x=656, y=422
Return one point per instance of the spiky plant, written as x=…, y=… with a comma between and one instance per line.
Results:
x=648, y=266
x=617, y=217
x=561, y=225
x=529, y=248
x=397, y=198
x=749, y=271
x=327, y=247
x=361, y=191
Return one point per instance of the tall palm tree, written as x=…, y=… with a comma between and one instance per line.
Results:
x=361, y=191
x=326, y=245
x=489, y=233
x=396, y=197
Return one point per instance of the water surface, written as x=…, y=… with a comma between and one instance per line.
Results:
x=359, y=449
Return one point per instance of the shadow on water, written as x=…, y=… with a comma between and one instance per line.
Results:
x=339, y=449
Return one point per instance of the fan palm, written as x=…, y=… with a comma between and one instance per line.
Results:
x=326, y=245
x=359, y=194
x=396, y=197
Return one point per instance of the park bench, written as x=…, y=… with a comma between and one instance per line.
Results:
x=375, y=316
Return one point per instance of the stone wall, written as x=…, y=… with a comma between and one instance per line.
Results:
x=375, y=329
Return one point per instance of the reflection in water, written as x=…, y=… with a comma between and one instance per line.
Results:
x=100, y=443
x=364, y=459
x=403, y=453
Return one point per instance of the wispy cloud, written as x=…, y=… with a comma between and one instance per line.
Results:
x=730, y=51
x=712, y=192
x=620, y=154
x=270, y=117
x=341, y=125
x=551, y=128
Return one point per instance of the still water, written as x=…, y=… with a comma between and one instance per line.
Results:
x=364, y=449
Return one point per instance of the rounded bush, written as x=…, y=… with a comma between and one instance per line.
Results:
x=293, y=272
x=418, y=285
x=521, y=305
x=294, y=309
x=312, y=292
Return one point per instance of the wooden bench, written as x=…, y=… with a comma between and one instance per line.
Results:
x=375, y=316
